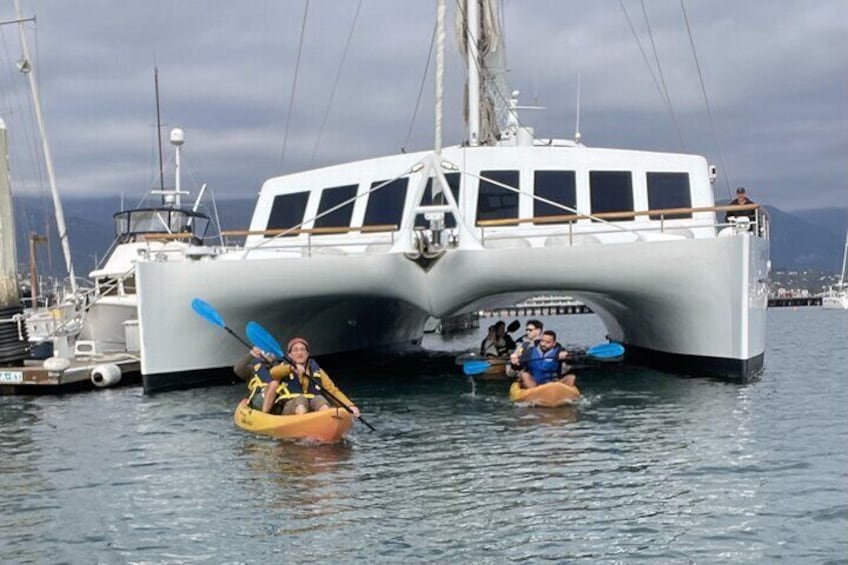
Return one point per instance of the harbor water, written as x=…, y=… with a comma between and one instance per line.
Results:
x=648, y=467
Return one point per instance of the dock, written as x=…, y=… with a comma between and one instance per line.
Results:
x=32, y=377
x=794, y=301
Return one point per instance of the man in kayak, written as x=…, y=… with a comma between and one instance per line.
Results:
x=531, y=337
x=300, y=382
x=542, y=363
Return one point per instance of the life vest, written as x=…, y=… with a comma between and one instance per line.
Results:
x=293, y=385
x=544, y=366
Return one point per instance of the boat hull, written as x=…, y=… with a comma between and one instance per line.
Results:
x=325, y=426
x=548, y=395
x=696, y=306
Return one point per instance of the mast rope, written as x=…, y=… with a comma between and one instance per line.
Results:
x=294, y=84
x=335, y=84
x=706, y=100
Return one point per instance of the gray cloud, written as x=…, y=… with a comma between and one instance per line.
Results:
x=774, y=72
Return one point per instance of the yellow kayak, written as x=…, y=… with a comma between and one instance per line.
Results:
x=326, y=426
x=548, y=395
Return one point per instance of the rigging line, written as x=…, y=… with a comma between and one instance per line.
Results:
x=706, y=99
x=294, y=84
x=648, y=64
x=661, y=75
x=335, y=84
x=420, y=90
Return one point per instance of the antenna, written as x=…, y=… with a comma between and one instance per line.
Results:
x=577, y=119
x=159, y=132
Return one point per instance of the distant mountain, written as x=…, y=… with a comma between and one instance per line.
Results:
x=810, y=239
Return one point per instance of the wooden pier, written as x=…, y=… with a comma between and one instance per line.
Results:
x=33, y=378
x=794, y=301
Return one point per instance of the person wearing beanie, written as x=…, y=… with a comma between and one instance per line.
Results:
x=302, y=383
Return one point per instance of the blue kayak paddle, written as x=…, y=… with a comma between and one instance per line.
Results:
x=261, y=338
x=208, y=313
x=602, y=352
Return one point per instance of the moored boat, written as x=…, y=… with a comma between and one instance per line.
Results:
x=548, y=395
x=325, y=426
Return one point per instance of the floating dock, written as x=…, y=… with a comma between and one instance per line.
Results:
x=100, y=371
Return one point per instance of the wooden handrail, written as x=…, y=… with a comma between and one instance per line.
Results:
x=314, y=231
x=566, y=218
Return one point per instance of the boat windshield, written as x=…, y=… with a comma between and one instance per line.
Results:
x=130, y=224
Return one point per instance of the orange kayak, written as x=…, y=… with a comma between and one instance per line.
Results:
x=548, y=395
x=325, y=426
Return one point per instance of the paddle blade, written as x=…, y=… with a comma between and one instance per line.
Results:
x=472, y=368
x=513, y=326
x=606, y=351
x=260, y=337
x=206, y=311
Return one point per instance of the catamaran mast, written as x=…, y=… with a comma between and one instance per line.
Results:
x=26, y=67
x=472, y=28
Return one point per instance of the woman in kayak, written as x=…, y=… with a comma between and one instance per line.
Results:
x=302, y=384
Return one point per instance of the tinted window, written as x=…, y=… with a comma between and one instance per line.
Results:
x=453, y=183
x=287, y=211
x=385, y=206
x=332, y=197
x=611, y=191
x=495, y=202
x=669, y=190
x=556, y=186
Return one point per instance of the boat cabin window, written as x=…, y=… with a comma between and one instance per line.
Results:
x=385, y=206
x=332, y=197
x=287, y=211
x=494, y=202
x=611, y=191
x=669, y=190
x=556, y=186
x=140, y=221
x=453, y=183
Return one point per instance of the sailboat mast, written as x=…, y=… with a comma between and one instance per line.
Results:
x=440, y=73
x=159, y=132
x=26, y=67
x=472, y=29
x=844, y=261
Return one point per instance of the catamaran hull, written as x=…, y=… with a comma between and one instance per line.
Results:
x=692, y=305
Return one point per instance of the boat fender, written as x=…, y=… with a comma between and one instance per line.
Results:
x=56, y=364
x=105, y=375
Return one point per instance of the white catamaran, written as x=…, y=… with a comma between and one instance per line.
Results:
x=359, y=255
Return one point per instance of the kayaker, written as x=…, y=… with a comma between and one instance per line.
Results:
x=532, y=332
x=497, y=342
x=301, y=380
x=542, y=363
x=256, y=368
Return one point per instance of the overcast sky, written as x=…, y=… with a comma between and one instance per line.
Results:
x=775, y=73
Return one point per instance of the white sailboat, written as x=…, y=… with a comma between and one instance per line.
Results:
x=836, y=296
x=359, y=255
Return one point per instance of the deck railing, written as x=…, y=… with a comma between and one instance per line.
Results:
x=607, y=223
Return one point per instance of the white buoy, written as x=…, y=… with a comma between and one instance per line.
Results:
x=106, y=375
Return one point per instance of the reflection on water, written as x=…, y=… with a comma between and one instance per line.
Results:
x=645, y=466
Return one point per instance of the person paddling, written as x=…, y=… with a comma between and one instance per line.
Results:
x=542, y=363
x=299, y=383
